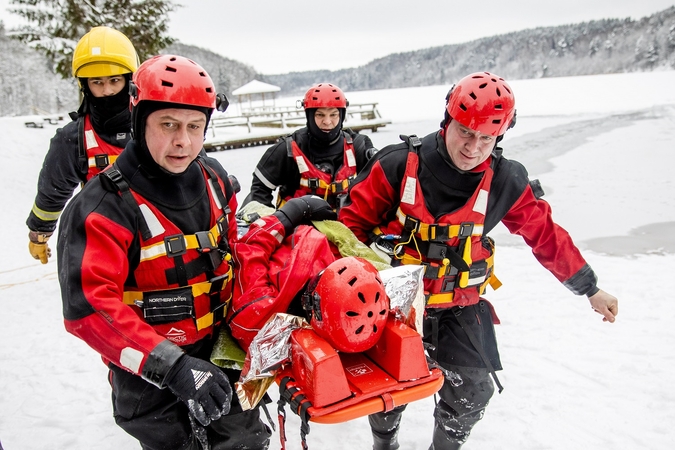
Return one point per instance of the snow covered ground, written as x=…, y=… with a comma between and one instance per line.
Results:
x=602, y=147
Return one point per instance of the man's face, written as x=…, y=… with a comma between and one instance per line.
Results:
x=467, y=148
x=327, y=118
x=106, y=86
x=175, y=137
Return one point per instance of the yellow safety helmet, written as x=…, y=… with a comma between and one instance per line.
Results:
x=104, y=52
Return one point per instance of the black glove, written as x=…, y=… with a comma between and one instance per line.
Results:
x=296, y=210
x=203, y=387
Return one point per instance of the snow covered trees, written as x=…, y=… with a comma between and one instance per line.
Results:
x=53, y=27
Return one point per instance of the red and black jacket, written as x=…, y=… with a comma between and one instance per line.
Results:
x=133, y=233
x=314, y=181
x=443, y=194
x=278, y=168
x=66, y=166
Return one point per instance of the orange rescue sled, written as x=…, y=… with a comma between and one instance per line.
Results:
x=324, y=386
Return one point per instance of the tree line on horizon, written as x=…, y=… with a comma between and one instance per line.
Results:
x=35, y=68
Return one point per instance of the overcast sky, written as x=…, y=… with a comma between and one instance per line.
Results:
x=276, y=36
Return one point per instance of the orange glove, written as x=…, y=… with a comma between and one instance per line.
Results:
x=38, y=247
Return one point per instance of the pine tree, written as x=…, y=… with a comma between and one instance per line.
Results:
x=54, y=26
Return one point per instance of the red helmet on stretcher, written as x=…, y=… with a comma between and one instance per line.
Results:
x=348, y=304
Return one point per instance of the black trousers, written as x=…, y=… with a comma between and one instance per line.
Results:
x=467, y=388
x=160, y=421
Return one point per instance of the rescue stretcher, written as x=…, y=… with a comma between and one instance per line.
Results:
x=325, y=386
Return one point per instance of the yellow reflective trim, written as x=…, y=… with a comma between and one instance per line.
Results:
x=205, y=321
x=153, y=251
x=438, y=299
x=111, y=159
x=47, y=216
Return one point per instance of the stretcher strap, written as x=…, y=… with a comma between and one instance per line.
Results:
x=479, y=348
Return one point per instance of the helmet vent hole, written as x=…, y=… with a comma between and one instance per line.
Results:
x=342, y=269
x=359, y=330
x=377, y=297
x=353, y=281
x=497, y=121
x=374, y=328
x=383, y=312
x=463, y=107
x=370, y=314
x=171, y=69
x=499, y=93
x=209, y=90
x=202, y=74
x=362, y=298
x=482, y=86
x=351, y=313
x=473, y=96
x=499, y=106
x=167, y=83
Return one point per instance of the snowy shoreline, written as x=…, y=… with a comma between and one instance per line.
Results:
x=571, y=381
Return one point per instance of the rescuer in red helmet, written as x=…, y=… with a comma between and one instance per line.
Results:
x=321, y=158
x=432, y=201
x=145, y=273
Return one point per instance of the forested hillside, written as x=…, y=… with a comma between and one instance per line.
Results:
x=28, y=86
x=598, y=47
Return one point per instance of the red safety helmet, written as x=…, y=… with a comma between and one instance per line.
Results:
x=483, y=102
x=348, y=304
x=325, y=95
x=173, y=79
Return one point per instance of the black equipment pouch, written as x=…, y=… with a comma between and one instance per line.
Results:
x=171, y=305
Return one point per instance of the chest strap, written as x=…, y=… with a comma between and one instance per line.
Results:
x=179, y=244
x=212, y=288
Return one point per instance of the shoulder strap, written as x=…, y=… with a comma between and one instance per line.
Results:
x=112, y=178
x=289, y=146
x=81, y=152
x=414, y=143
x=216, y=185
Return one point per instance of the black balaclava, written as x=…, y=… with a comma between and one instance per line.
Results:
x=322, y=138
x=139, y=117
x=108, y=114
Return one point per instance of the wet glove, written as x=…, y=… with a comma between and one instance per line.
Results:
x=37, y=245
x=307, y=207
x=202, y=386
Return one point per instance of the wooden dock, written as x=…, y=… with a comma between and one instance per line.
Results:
x=265, y=126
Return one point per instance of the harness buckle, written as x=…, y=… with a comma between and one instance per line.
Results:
x=222, y=224
x=175, y=245
x=313, y=183
x=448, y=283
x=206, y=241
x=411, y=224
x=437, y=251
x=439, y=232
x=101, y=160
x=415, y=141
x=465, y=230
